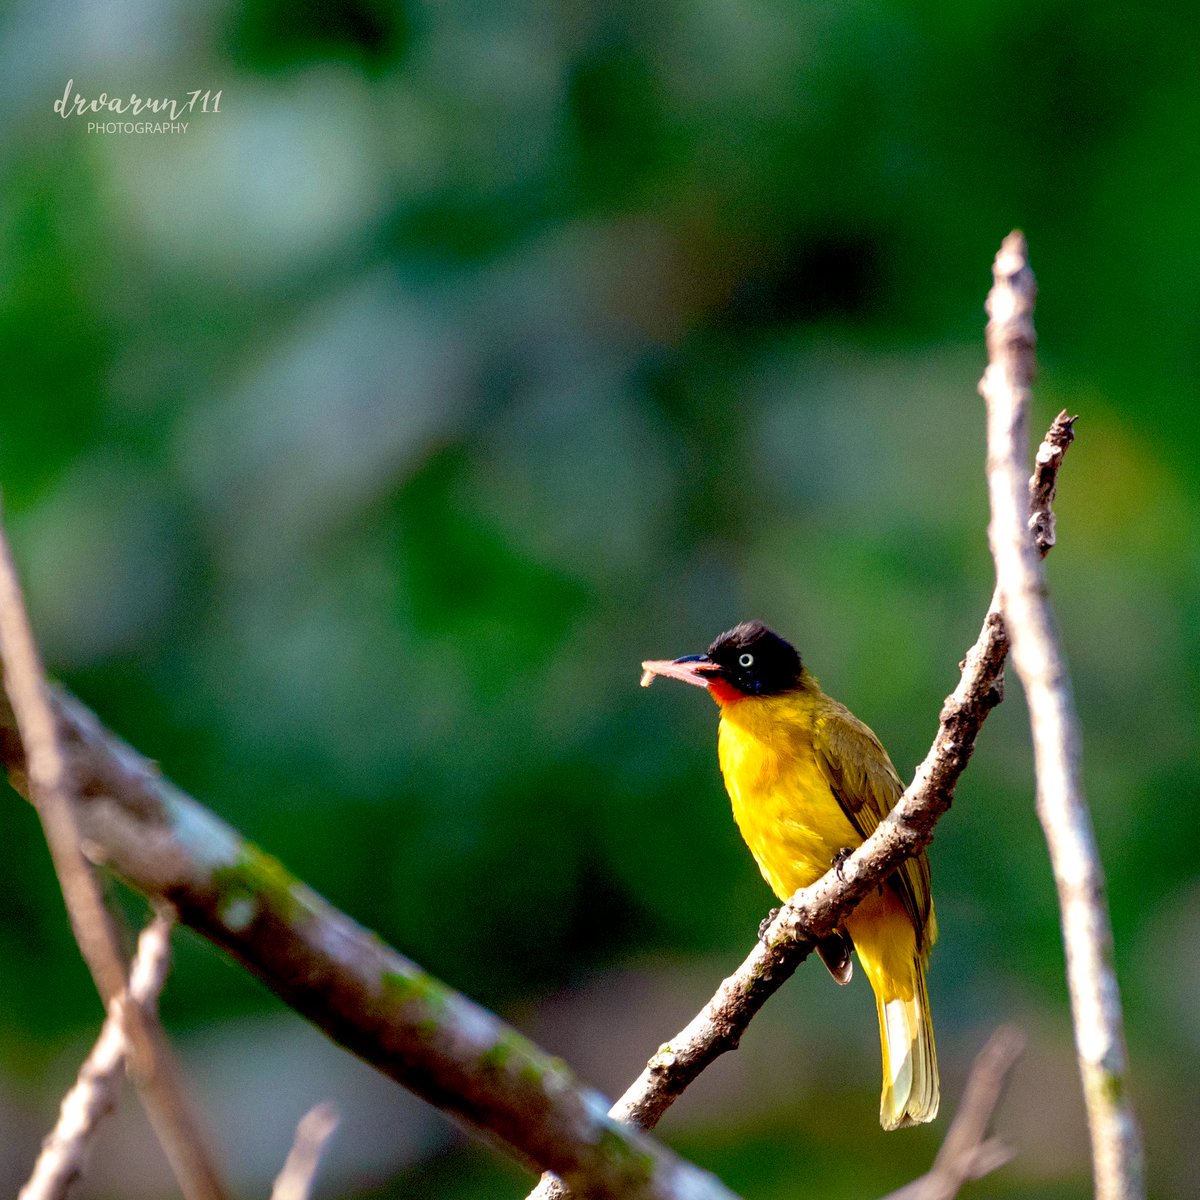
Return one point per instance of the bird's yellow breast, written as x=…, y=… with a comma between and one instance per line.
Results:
x=782, y=803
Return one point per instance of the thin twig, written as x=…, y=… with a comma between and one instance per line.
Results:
x=295, y=1181
x=967, y=1153
x=816, y=911
x=1044, y=481
x=1061, y=804
x=151, y=1064
x=23, y=679
x=96, y=1090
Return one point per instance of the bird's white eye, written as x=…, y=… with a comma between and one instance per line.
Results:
x=746, y=660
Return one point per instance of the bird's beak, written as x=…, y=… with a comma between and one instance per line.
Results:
x=696, y=669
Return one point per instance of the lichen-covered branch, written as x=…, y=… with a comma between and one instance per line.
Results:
x=1062, y=807
x=816, y=911
x=96, y=1090
x=344, y=979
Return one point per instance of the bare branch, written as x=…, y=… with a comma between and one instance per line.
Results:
x=1061, y=804
x=96, y=1090
x=816, y=911
x=967, y=1152
x=344, y=979
x=23, y=679
x=316, y=1127
x=150, y=1061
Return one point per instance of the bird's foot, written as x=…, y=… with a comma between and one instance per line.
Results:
x=839, y=861
x=765, y=924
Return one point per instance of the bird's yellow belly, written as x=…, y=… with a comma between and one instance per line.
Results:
x=789, y=818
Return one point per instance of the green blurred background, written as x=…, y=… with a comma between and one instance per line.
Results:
x=359, y=442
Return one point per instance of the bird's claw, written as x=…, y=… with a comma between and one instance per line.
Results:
x=765, y=924
x=839, y=861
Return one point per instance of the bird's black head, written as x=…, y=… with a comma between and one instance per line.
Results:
x=755, y=661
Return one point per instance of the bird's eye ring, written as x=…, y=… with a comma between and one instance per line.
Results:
x=746, y=660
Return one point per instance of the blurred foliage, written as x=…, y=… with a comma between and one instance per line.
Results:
x=360, y=441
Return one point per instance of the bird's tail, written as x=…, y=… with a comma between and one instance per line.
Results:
x=887, y=948
x=910, y=1071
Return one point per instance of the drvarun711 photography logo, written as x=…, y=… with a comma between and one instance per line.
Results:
x=155, y=114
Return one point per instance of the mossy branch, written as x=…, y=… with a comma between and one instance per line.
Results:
x=362, y=993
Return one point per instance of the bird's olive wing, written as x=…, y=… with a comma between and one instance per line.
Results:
x=864, y=782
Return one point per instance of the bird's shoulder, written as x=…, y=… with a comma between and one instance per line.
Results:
x=854, y=761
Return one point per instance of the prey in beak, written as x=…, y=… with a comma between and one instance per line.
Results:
x=696, y=669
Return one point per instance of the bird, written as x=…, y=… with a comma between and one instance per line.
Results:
x=808, y=782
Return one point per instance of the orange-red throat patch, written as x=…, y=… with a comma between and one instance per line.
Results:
x=724, y=693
